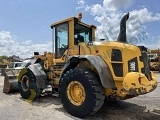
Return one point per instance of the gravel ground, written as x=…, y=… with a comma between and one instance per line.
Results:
x=144, y=107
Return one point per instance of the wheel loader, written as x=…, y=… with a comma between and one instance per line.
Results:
x=154, y=56
x=84, y=72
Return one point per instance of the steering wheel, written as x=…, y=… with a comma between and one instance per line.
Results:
x=64, y=46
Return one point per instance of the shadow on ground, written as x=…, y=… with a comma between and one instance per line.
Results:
x=45, y=101
x=122, y=110
x=111, y=110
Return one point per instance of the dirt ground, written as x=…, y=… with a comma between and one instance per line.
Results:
x=144, y=107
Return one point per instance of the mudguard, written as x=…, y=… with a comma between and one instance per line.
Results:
x=40, y=75
x=101, y=67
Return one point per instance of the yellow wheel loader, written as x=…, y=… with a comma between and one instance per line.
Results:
x=154, y=56
x=85, y=72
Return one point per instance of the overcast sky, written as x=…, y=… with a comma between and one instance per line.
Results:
x=25, y=24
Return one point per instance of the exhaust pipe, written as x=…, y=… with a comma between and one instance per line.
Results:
x=122, y=33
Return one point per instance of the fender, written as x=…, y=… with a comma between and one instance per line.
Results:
x=101, y=67
x=40, y=75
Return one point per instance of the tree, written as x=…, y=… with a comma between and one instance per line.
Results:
x=3, y=57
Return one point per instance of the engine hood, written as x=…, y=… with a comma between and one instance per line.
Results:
x=113, y=45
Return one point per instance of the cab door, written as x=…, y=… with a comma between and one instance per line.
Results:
x=60, y=40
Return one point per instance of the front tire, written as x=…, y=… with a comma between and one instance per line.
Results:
x=27, y=86
x=81, y=92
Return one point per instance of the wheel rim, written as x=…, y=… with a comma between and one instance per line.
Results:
x=76, y=93
x=25, y=83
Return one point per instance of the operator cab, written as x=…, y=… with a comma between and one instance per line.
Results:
x=69, y=33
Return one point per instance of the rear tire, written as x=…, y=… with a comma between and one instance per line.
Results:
x=81, y=92
x=27, y=86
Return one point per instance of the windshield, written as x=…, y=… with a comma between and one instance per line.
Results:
x=24, y=64
x=61, y=39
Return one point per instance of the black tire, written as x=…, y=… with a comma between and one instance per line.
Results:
x=94, y=92
x=31, y=91
x=110, y=100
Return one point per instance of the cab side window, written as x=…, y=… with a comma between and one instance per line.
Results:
x=81, y=34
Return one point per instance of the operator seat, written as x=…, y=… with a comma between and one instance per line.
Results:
x=79, y=39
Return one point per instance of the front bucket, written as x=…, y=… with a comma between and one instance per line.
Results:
x=10, y=82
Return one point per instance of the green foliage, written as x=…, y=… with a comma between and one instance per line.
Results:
x=3, y=57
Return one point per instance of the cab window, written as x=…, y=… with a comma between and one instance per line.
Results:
x=81, y=34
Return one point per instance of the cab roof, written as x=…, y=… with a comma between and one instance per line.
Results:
x=69, y=19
